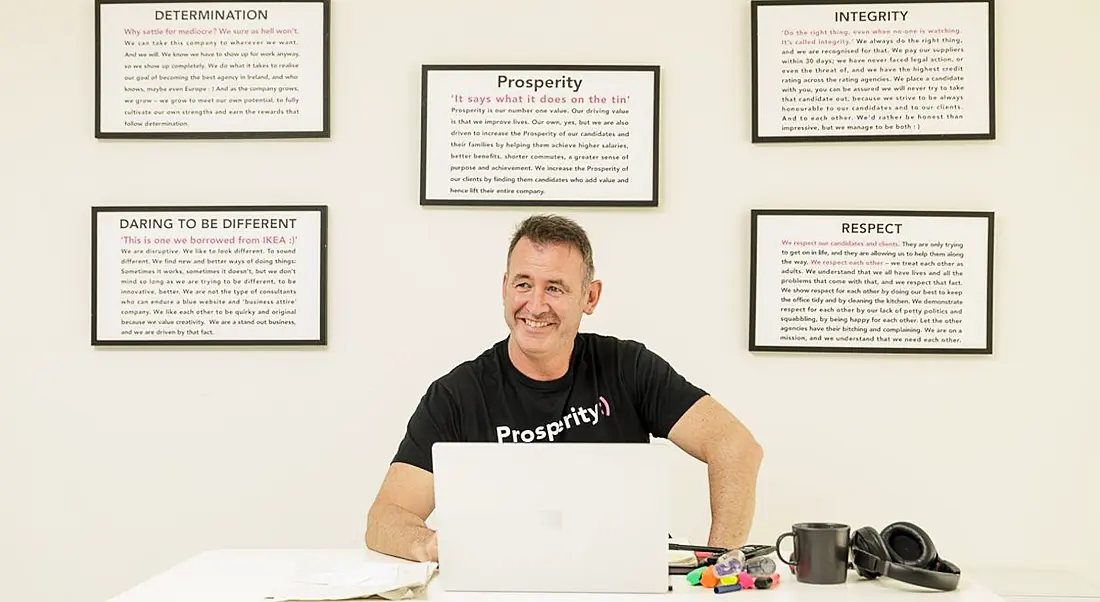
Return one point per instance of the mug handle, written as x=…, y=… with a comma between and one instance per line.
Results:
x=791, y=562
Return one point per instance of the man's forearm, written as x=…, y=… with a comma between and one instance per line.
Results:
x=394, y=531
x=732, y=474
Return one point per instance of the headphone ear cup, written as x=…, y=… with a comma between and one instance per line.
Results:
x=908, y=544
x=868, y=540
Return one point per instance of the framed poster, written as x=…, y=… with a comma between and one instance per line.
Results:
x=871, y=281
x=212, y=69
x=872, y=70
x=198, y=275
x=539, y=135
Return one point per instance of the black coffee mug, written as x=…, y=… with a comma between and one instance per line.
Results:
x=820, y=553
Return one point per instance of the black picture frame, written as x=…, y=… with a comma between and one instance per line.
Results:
x=988, y=133
x=321, y=300
x=651, y=195
x=987, y=223
x=324, y=132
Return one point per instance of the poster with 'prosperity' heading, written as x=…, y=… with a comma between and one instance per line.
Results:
x=531, y=135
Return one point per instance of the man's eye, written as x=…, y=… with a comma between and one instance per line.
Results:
x=522, y=285
x=555, y=289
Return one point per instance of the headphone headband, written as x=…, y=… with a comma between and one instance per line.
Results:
x=922, y=577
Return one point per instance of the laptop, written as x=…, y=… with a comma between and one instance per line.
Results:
x=552, y=517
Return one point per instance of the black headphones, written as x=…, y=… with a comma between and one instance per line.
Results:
x=903, y=551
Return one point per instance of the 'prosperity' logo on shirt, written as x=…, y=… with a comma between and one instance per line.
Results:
x=589, y=416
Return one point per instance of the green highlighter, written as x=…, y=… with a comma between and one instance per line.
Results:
x=695, y=576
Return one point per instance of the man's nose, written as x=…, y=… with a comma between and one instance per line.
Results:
x=536, y=303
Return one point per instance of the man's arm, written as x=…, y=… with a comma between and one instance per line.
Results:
x=710, y=433
x=395, y=522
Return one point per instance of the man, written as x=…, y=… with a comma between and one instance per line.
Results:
x=547, y=382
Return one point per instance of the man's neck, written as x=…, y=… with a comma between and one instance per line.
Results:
x=550, y=367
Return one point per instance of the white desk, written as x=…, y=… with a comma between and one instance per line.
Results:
x=1046, y=584
x=249, y=575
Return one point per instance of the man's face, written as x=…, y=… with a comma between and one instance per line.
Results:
x=545, y=296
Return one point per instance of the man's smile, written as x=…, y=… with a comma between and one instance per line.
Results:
x=536, y=324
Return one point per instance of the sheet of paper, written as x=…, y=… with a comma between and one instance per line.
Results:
x=392, y=581
x=680, y=557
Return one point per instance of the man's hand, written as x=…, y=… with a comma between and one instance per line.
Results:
x=395, y=522
x=711, y=434
x=427, y=550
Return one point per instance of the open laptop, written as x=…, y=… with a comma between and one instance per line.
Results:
x=552, y=517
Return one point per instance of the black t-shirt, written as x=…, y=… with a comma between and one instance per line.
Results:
x=614, y=391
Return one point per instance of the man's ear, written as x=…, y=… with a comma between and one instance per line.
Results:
x=504, y=285
x=593, y=297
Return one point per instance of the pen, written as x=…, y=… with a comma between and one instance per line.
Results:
x=691, y=548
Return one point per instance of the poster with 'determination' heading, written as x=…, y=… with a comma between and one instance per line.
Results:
x=212, y=69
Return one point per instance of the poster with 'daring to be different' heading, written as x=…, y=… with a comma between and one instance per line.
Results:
x=198, y=275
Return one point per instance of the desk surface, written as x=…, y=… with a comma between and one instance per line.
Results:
x=250, y=575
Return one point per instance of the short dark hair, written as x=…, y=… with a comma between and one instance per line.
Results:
x=555, y=229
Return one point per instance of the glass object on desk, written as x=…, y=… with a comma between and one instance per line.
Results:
x=761, y=566
x=730, y=563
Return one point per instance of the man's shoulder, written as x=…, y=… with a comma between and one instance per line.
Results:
x=473, y=371
x=605, y=343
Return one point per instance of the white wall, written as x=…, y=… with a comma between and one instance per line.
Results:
x=118, y=463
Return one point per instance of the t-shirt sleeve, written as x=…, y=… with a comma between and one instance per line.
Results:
x=663, y=394
x=434, y=419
